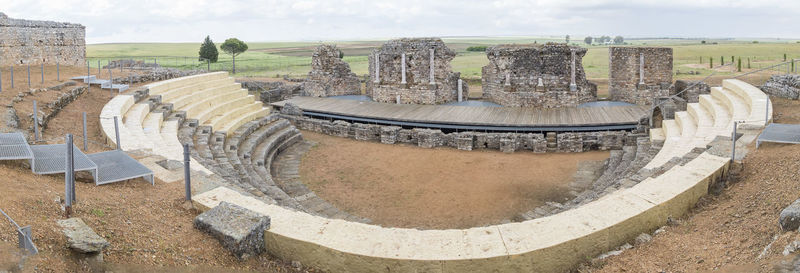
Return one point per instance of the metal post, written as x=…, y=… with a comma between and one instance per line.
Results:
x=35, y=122
x=58, y=72
x=29, y=75
x=12, y=76
x=116, y=132
x=42, y=73
x=110, y=82
x=88, y=73
x=766, y=114
x=187, y=171
x=99, y=71
x=69, y=190
x=208, y=63
x=733, y=142
x=85, y=137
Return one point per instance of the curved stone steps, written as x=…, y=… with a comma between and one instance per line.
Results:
x=205, y=108
x=735, y=104
x=133, y=121
x=720, y=114
x=257, y=163
x=161, y=87
x=220, y=119
x=173, y=95
x=757, y=101
x=285, y=170
x=231, y=126
x=191, y=98
x=241, y=155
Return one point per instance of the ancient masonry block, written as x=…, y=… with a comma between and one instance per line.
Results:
x=508, y=145
x=238, y=229
x=329, y=75
x=427, y=138
x=536, y=75
x=413, y=71
x=570, y=142
x=639, y=75
x=389, y=134
x=465, y=141
x=341, y=128
x=37, y=42
x=367, y=132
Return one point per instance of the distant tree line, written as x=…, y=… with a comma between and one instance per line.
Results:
x=618, y=40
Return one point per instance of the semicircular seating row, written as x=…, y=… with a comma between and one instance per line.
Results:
x=555, y=243
x=231, y=135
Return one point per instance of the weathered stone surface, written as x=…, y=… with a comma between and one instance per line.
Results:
x=129, y=63
x=536, y=75
x=690, y=91
x=783, y=86
x=36, y=42
x=417, y=89
x=624, y=70
x=238, y=229
x=291, y=109
x=790, y=217
x=389, y=134
x=272, y=91
x=329, y=75
x=81, y=237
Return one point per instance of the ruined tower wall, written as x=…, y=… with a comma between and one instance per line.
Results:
x=536, y=75
x=625, y=68
x=25, y=42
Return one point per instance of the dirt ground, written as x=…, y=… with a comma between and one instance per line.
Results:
x=408, y=186
x=148, y=227
x=728, y=232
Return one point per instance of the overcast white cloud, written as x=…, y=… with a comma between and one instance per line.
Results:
x=276, y=20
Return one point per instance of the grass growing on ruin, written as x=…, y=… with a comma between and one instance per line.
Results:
x=294, y=58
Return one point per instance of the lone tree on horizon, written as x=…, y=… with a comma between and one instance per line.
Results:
x=619, y=40
x=233, y=47
x=208, y=51
x=588, y=40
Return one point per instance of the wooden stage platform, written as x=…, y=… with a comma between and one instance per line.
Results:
x=517, y=117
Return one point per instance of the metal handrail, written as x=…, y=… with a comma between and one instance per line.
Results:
x=766, y=68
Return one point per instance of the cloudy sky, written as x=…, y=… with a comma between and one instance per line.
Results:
x=312, y=20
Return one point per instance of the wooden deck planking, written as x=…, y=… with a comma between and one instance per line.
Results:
x=470, y=115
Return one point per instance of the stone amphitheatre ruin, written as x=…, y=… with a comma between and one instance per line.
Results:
x=241, y=150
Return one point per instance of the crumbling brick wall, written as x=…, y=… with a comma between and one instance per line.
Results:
x=36, y=42
x=385, y=84
x=536, y=75
x=329, y=75
x=624, y=74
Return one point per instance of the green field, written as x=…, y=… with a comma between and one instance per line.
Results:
x=294, y=58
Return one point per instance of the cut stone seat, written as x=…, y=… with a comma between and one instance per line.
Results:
x=735, y=104
x=158, y=88
x=133, y=121
x=657, y=134
x=720, y=113
x=196, y=87
x=231, y=126
x=200, y=95
x=211, y=106
x=239, y=230
x=758, y=102
x=221, y=119
x=116, y=107
x=243, y=132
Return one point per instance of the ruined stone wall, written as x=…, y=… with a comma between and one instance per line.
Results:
x=537, y=75
x=36, y=42
x=624, y=71
x=567, y=142
x=329, y=75
x=387, y=84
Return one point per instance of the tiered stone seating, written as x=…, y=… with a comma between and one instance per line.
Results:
x=554, y=243
x=712, y=117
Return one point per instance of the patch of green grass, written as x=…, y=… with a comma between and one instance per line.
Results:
x=98, y=212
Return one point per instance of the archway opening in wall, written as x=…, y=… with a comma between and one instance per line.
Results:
x=657, y=117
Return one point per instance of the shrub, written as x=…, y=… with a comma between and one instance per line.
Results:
x=476, y=48
x=208, y=51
